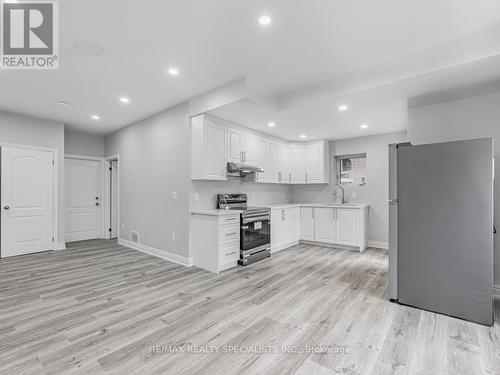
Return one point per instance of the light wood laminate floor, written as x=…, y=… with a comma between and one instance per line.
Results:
x=100, y=308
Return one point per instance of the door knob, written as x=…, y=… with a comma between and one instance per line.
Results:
x=97, y=204
x=6, y=207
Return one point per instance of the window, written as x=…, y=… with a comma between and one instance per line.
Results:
x=351, y=170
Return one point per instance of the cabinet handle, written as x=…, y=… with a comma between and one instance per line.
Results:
x=282, y=214
x=312, y=213
x=306, y=177
x=244, y=156
x=279, y=176
x=290, y=177
x=231, y=234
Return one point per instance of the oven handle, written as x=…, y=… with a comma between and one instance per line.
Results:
x=245, y=227
x=255, y=219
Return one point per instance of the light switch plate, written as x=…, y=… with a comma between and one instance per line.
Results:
x=174, y=195
x=196, y=196
x=173, y=237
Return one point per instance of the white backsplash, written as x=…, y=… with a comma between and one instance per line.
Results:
x=258, y=194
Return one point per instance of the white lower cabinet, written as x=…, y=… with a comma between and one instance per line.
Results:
x=334, y=225
x=307, y=223
x=284, y=229
x=324, y=230
x=347, y=226
x=216, y=241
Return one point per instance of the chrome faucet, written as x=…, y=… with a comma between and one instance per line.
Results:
x=344, y=200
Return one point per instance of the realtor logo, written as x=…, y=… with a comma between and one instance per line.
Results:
x=29, y=34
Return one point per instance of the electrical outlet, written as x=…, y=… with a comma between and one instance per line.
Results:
x=196, y=196
x=354, y=195
x=173, y=237
x=123, y=226
x=174, y=195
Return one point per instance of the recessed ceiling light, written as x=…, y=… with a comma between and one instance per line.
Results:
x=271, y=124
x=62, y=103
x=303, y=136
x=343, y=108
x=124, y=100
x=264, y=20
x=364, y=126
x=95, y=117
x=173, y=71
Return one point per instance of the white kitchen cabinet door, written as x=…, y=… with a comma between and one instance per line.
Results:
x=272, y=164
x=215, y=150
x=347, y=224
x=324, y=225
x=283, y=168
x=261, y=157
x=250, y=151
x=314, y=162
x=235, y=145
x=276, y=229
x=307, y=223
x=297, y=164
x=289, y=220
x=208, y=149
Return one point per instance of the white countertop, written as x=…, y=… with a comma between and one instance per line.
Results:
x=328, y=205
x=216, y=212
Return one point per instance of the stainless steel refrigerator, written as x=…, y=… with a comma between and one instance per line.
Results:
x=441, y=228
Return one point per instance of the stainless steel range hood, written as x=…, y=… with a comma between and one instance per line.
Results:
x=241, y=170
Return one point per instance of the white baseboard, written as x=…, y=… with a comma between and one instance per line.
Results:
x=60, y=246
x=496, y=290
x=378, y=244
x=188, y=262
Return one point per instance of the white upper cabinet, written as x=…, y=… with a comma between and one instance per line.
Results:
x=310, y=162
x=261, y=155
x=235, y=145
x=208, y=149
x=297, y=163
x=215, y=142
x=272, y=166
x=284, y=175
x=251, y=149
x=317, y=162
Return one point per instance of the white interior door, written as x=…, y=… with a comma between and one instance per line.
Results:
x=82, y=199
x=27, y=201
x=114, y=198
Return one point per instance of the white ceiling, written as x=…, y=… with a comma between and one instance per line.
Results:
x=313, y=50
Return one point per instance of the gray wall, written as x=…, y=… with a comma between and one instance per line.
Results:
x=154, y=162
x=32, y=131
x=375, y=193
x=469, y=118
x=81, y=143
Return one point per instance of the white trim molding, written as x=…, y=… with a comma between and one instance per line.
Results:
x=496, y=290
x=379, y=244
x=60, y=246
x=187, y=262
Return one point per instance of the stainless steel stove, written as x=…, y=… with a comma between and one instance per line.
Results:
x=255, y=227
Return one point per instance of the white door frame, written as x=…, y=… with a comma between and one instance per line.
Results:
x=56, y=245
x=107, y=196
x=101, y=232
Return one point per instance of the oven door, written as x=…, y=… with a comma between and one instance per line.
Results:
x=255, y=232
